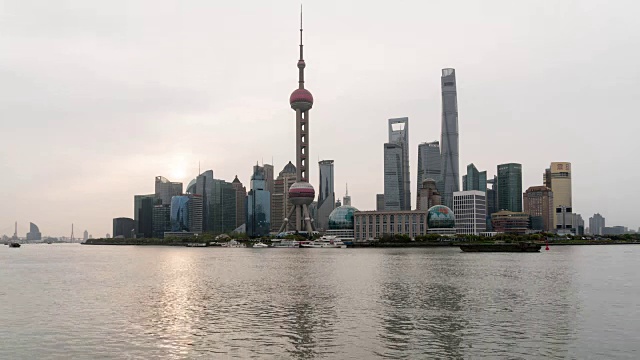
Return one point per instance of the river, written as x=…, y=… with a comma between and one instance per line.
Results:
x=131, y=302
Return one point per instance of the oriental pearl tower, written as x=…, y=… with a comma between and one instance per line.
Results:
x=301, y=193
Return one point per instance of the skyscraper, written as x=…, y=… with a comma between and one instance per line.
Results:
x=166, y=189
x=258, y=205
x=393, y=184
x=241, y=199
x=449, y=141
x=510, y=187
x=143, y=214
x=326, y=194
x=396, y=168
x=186, y=213
x=492, y=200
x=474, y=180
x=280, y=205
x=597, y=224
x=346, y=199
x=379, y=202
x=301, y=194
x=161, y=220
x=558, y=175
x=538, y=203
x=219, y=203
x=429, y=165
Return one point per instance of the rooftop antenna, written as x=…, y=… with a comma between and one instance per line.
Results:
x=347, y=185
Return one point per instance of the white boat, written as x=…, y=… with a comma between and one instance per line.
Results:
x=233, y=244
x=286, y=244
x=324, y=242
x=260, y=245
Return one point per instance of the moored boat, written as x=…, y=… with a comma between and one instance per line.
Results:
x=324, y=242
x=504, y=247
x=14, y=245
x=260, y=245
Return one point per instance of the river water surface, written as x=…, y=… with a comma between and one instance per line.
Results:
x=127, y=302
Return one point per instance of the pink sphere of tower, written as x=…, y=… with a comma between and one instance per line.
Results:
x=301, y=99
x=301, y=193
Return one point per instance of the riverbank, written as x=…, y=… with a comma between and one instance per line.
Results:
x=373, y=244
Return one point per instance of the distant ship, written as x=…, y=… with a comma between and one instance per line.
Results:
x=14, y=245
x=514, y=247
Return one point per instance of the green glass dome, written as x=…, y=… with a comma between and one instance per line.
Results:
x=440, y=217
x=342, y=218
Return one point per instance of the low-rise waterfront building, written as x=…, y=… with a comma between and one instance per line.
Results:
x=510, y=222
x=341, y=223
x=372, y=225
x=441, y=220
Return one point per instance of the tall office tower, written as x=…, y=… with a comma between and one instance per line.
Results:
x=326, y=194
x=258, y=205
x=510, y=187
x=85, y=235
x=204, y=188
x=196, y=206
x=470, y=209
x=186, y=213
x=597, y=224
x=301, y=194
x=492, y=200
x=449, y=142
x=346, y=199
x=474, y=180
x=241, y=199
x=166, y=189
x=546, y=178
x=179, y=214
x=393, y=184
x=379, y=202
x=559, y=177
x=123, y=228
x=280, y=205
x=224, y=207
x=161, y=220
x=191, y=187
x=268, y=177
x=313, y=211
x=428, y=195
x=219, y=199
x=34, y=232
x=396, y=159
x=143, y=214
x=429, y=164
x=538, y=203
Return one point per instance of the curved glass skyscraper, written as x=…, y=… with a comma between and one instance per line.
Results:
x=179, y=213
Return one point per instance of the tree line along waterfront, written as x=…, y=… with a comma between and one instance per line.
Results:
x=398, y=240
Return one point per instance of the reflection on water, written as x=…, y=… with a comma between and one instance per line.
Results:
x=60, y=301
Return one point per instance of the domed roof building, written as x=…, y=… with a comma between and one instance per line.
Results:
x=341, y=223
x=342, y=218
x=441, y=220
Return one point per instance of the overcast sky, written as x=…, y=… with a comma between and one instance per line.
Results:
x=99, y=97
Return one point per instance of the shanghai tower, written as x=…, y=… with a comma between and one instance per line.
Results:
x=450, y=172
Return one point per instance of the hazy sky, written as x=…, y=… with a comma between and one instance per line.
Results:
x=98, y=97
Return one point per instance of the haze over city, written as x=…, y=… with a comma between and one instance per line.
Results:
x=98, y=99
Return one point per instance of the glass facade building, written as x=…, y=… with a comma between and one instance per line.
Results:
x=510, y=187
x=429, y=165
x=342, y=218
x=123, y=227
x=166, y=189
x=219, y=203
x=474, y=180
x=179, y=213
x=326, y=194
x=396, y=166
x=143, y=214
x=258, y=206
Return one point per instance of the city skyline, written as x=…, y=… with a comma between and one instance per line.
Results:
x=97, y=150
